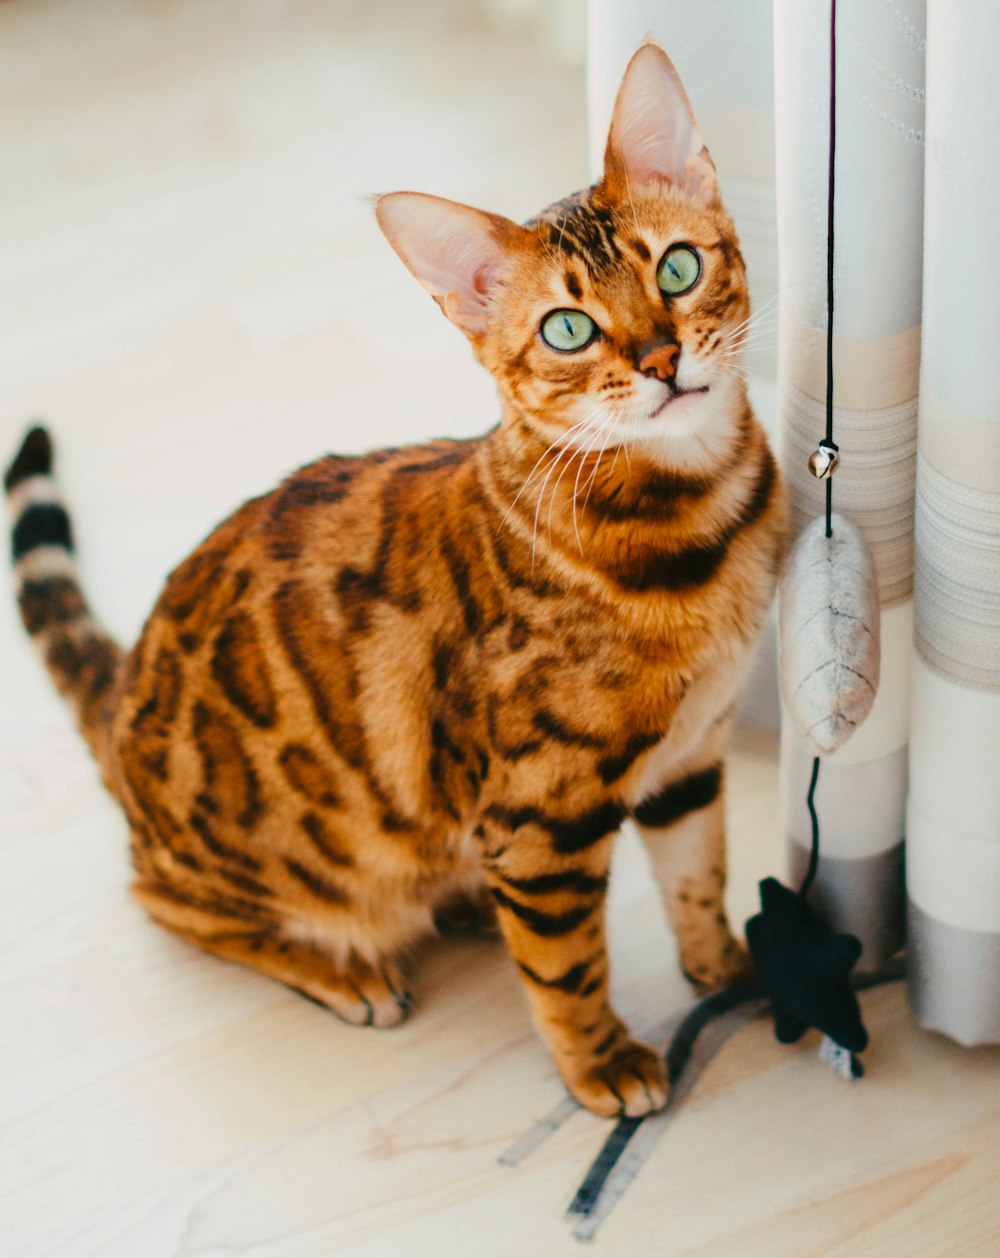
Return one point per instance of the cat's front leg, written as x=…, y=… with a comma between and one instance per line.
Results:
x=548, y=875
x=682, y=822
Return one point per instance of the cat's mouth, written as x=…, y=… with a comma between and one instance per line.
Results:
x=675, y=394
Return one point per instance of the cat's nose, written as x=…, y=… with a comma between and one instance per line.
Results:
x=661, y=360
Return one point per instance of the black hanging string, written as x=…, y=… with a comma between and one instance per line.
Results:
x=831, y=182
x=827, y=441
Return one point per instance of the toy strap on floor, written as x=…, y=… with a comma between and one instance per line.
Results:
x=693, y=1040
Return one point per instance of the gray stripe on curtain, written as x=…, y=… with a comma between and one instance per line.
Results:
x=952, y=973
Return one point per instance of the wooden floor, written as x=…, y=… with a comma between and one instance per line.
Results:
x=196, y=296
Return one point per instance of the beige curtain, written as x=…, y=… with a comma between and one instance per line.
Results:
x=953, y=818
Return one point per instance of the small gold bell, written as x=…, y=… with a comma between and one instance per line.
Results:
x=824, y=461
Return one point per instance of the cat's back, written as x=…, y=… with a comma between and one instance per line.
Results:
x=277, y=607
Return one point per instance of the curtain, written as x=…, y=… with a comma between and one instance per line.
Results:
x=953, y=817
x=877, y=279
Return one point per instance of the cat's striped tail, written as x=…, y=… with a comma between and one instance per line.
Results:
x=84, y=661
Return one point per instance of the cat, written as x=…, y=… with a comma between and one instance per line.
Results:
x=430, y=683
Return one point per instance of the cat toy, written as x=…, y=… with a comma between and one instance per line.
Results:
x=828, y=633
x=828, y=626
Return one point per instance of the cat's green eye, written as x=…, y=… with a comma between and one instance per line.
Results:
x=567, y=330
x=678, y=270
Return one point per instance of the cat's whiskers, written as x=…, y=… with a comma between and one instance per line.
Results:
x=593, y=437
x=756, y=337
x=767, y=309
x=541, y=493
x=563, y=437
x=606, y=429
x=615, y=417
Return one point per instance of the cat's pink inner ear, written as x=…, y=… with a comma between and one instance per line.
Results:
x=455, y=251
x=654, y=138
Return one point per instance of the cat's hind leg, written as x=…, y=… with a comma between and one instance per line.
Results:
x=358, y=992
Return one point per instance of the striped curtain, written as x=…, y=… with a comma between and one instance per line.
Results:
x=953, y=817
x=879, y=209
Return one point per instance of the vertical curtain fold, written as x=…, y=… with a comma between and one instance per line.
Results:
x=953, y=814
x=862, y=788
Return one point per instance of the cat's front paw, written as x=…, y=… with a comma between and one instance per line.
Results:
x=722, y=966
x=631, y=1082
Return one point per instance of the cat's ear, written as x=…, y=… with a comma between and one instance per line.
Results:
x=654, y=138
x=456, y=252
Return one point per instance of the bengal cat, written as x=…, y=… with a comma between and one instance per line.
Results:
x=427, y=679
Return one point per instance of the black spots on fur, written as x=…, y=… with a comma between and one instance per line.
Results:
x=323, y=841
x=33, y=459
x=675, y=801
x=41, y=524
x=461, y=579
x=553, y=728
x=200, y=593
x=323, y=662
x=244, y=882
x=586, y=830
x=319, y=485
x=161, y=683
x=762, y=492
x=573, y=285
x=356, y=591
x=450, y=458
x=611, y=768
x=317, y=885
x=442, y=661
x=449, y=678
x=313, y=487
x=239, y=665
x=192, y=582
x=393, y=822
x=608, y=1042
x=307, y=775
x=577, y=880
x=230, y=785
x=569, y=982
x=218, y=847
x=519, y=634
x=580, y=227
x=442, y=741
x=50, y=601
x=444, y=751
x=697, y=564
x=570, y=834
x=548, y=925
x=516, y=571
x=640, y=248
x=657, y=497
x=686, y=569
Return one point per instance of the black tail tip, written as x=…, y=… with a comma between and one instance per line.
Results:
x=33, y=459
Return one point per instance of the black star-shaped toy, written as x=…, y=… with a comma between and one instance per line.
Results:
x=805, y=969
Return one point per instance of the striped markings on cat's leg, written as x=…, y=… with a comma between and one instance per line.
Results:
x=358, y=993
x=554, y=926
x=683, y=827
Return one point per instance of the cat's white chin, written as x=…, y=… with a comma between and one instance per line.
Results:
x=693, y=431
